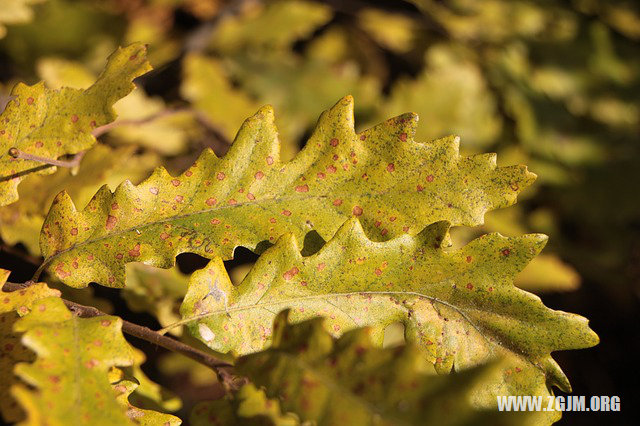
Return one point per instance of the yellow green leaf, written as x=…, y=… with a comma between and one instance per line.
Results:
x=73, y=357
x=349, y=381
x=13, y=305
x=53, y=123
x=22, y=221
x=459, y=305
x=249, y=198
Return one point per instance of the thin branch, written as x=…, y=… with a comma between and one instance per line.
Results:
x=74, y=162
x=219, y=366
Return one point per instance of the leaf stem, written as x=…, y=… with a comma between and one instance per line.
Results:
x=74, y=162
x=219, y=366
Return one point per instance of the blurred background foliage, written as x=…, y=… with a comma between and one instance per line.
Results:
x=551, y=84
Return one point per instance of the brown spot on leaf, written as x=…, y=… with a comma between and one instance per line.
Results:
x=337, y=202
x=302, y=188
x=334, y=142
x=357, y=211
x=390, y=167
x=211, y=201
x=74, y=231
x=215, y=221
x=269, y=160
x=135, y=252
x=506, y=252
x=74, y=118
x=111, y=222
x=164, y=236
x=220, y=176
x=30, y=100
x=250, y=196
x=175, y=182
x=403, y=137
x=154, y=190
x=259, y=175
x=286, y=213
x=290, y=273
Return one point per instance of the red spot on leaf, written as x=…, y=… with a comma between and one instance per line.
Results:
x=164, y=236
x=233, y=202
x=259, y=175
x=430, y=178
x=211, y=201
x=403, y=137
x=419, y=188
x=188, y=173
x=302, y=188
x=331, y=169
x=179, y=198
x=321, y=266
x=215, y=221
x=30, y=100
x=357, y=211
x=506, y=252
x=321, y=175
x=334, y=142
x=175, y=182
x=39, y=144
x=286, y=212
x=390, y=167
x=74, y=231
x=220, y=176
x=337, y=202
x=384, y=231
x=269, y=160
x=74, y=118
x=470, y=286
x=154, y=190
x=250, y=196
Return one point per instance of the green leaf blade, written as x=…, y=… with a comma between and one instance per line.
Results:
x=249, y=198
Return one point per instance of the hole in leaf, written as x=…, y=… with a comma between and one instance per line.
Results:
x=393, y=335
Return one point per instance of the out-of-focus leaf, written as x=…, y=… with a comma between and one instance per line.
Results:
x=393, y=31
x=450, y=96
x=249, y=197
x=22, y=221
x=547, y=273
x=207, y=87
x=156, y=291
x=250, y=406
x=52, y=123
x=297, y=86
x=275, y=24
x=15, y=12
x=73, y=357
x=13, y=305
x=350, y=381
x=459, y=305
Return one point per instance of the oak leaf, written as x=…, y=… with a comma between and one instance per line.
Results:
x=53, y=123
x=249, y=198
